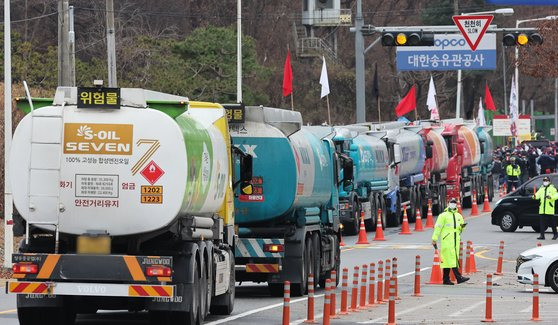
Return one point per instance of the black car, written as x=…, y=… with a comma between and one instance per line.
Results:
x=519, y=209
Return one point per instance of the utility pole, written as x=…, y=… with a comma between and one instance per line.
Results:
x=459, y=72
x=504, y=78
x=239, y=52
x=111, y=45
x=72, y=48
x=556, y=109
x=63, y=47
x=8, y=200
x=359, y=65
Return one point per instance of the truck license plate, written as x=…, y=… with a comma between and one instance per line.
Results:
x=93, y=245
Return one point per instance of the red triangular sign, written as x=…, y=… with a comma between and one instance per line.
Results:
x=473, y=28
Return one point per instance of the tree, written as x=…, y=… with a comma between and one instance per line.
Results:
x=208, y=56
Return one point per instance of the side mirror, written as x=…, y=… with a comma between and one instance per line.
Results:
x=246, y=168
x=348, y=173
x=396, y=153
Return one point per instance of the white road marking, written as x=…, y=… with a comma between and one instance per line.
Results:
x=526, y=310
x=467, y=309
x=254, y=311
x=257, y=310
x=413, y=272
x=406, y=311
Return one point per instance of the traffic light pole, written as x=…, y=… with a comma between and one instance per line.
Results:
x=359, y=65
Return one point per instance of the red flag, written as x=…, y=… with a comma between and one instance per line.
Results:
x=489, y=103
x=407, y=104
x=288, y=76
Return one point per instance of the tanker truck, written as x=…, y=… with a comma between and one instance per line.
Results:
x=407, y=154
x=486, y=163
x=433, y=186
x=466, y=175
x=126, y=200
x=287, y=217
x=365, y=191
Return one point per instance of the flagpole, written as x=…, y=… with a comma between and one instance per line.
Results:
x=292, y=102
x=328, y=112
x=416, y=114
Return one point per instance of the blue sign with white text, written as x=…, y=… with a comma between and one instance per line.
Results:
x=450, y=52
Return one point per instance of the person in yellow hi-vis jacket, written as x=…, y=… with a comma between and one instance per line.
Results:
x=449, y=227
x=546, y=195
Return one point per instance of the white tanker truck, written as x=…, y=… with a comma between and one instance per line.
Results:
x=126, y=198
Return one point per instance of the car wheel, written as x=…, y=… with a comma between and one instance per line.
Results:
x=508, y=222
x=552, y=276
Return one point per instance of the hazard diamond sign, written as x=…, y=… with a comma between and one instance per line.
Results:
x=152, y=172
x=473, y=28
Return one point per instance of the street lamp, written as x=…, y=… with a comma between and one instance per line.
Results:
x=516, y=76
x=501, y=11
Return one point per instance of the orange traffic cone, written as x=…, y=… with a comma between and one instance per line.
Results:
x=486, y=206
x=474, y=208
x=500, y=193
x=418, y=222
x=405, y=230
x=473, y=267
x=362, y=233
x=429, y=217
x=341, y=242
x=379, y=236
x=436, y=274
x=459, y=209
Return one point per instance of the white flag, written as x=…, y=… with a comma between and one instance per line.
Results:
x=480, y=115
x=323, y=80
x=514, y=109
x=431, y=101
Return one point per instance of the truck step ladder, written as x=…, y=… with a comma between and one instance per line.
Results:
x=47, y=131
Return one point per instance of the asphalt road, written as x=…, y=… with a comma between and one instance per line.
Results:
x=462, y=304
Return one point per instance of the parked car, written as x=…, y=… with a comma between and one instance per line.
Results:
x=541, y=260
x=518, y=208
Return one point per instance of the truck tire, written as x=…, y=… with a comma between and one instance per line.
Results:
x=412, y=208
x=490, y=186
x=205, y=292
x=194, y=316
x=383, y=206
x=224, y=304
x=317, y=265
x=394, y=219
x=466, y=202
x=370, y=224
x=299, y=289
x=352, y=228
x=41, y=315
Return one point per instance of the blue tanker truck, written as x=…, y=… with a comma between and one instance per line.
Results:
x=287, y=217
x=407, y=152
x=365, y=191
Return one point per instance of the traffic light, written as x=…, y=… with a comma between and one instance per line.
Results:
x=407, y=39
x=522, y=39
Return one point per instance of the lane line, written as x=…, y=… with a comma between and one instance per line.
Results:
x=413, y=272
x=526, y=310
x=467, y=309
x=9, y=311
x=406, y=311
x=257, y=310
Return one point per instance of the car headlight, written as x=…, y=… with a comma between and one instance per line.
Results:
x=530, y=257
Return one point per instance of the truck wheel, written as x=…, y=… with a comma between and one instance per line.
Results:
x=394, y=219
x=317, y=266
x=490, y=188
x=205, y=292
x=299, y=289
x=466, y=202
x=411, y=209
x=370, y=224
x=383, y=206
x=194, y=316
x=41, y=315
x=353, y=227
x=224, y=304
